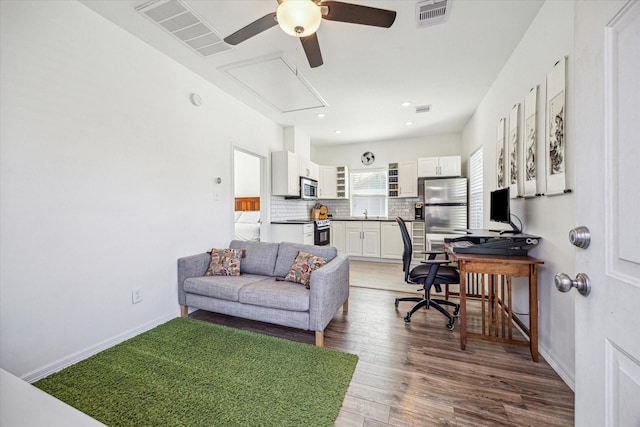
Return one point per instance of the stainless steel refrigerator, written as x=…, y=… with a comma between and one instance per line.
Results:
x=445, y=205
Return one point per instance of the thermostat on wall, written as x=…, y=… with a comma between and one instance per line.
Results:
x=196, y=99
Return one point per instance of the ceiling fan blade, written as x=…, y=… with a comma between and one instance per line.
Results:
x=357, y=14
x=256, y=27
x=312, y=50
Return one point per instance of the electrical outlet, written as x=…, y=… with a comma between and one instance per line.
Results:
x=136, y=295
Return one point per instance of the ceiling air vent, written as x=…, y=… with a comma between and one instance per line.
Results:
x=184, y=24
x=432, y=12
x=423, y=108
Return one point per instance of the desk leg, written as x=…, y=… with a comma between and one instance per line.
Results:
x=463, y=308
x=533, y=311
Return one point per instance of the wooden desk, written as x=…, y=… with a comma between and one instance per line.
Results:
x=497, y=316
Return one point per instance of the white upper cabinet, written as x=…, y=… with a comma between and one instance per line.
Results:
x=403, y=179
x=333, y=182
x=450, y=165
x=286, y=170
x=440, y=166
x=285, y=178
x=327, y=184
x=342, y=182
x=408, y=179
x=307, y=168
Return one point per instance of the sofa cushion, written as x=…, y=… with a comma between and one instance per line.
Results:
x=303, y=266
x=224, y=262
x=288, y=252
x=260, y=257
x=276, y=294
x=222, y=287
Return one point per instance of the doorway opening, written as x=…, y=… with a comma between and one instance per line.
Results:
x=248, y=191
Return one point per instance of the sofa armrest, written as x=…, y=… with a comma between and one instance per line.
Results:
x=191, y=266
x=329, y=290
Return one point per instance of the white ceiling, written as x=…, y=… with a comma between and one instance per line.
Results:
x=367, y=71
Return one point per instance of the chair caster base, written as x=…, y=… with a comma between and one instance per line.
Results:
x=450, y=324
x=456, y=310
x=407, y=318
x=397, y=302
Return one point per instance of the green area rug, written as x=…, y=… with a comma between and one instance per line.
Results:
x=192, y=373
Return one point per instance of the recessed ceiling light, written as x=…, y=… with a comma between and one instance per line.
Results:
x=409, y=123
x=321, y=115
x=406, y=103
x=338, y=131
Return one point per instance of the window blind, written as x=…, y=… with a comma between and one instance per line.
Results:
x=368, y=192
x=475, y=190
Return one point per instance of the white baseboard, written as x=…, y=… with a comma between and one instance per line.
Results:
x=547, y=357
x=60, y=364
x=561, y=373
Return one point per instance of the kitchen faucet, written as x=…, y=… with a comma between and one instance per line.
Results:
x=365, y=214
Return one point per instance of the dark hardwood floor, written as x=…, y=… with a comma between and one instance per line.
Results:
x=416, y=375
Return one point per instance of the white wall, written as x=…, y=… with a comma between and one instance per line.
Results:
x=246, y=172
x=549, y=37
x=387, y=151
x=107, y=177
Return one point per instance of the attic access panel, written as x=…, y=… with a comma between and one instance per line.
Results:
x=276, y=83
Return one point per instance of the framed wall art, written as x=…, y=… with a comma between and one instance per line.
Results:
x=500, y=157
x=555, y=152
x=514, y=136
x=529, y=146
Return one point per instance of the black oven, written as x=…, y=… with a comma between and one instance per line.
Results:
x=322, y=232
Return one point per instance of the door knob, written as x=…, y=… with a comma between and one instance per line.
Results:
x=580, y=237
x=582, y=283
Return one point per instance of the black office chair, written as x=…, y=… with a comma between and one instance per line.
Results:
x=429, y=273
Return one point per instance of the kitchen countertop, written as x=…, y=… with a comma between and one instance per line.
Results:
x=373, y=218
x=347, y=218
x=293, y=221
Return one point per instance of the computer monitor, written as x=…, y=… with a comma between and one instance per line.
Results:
x=500, y=210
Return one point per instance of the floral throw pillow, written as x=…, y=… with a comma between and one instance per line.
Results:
x=225, y=262
x=302, y=268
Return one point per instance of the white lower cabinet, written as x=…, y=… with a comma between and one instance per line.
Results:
x=338, y=236
x=362, y=238
x=418, y=240
x=376, y=239
x=296, y=233
x=391, y=243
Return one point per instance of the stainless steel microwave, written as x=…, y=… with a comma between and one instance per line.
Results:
x=308, y=188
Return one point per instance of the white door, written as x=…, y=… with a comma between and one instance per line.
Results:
x=607, y=138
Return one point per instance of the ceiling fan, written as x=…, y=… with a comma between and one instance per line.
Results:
x=301, y=18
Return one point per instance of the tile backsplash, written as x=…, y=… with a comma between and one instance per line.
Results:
x=283, y=209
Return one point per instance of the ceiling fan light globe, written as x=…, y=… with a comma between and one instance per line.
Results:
x=299, y=18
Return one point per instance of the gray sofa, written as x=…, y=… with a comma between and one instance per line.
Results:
x=256, y=295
